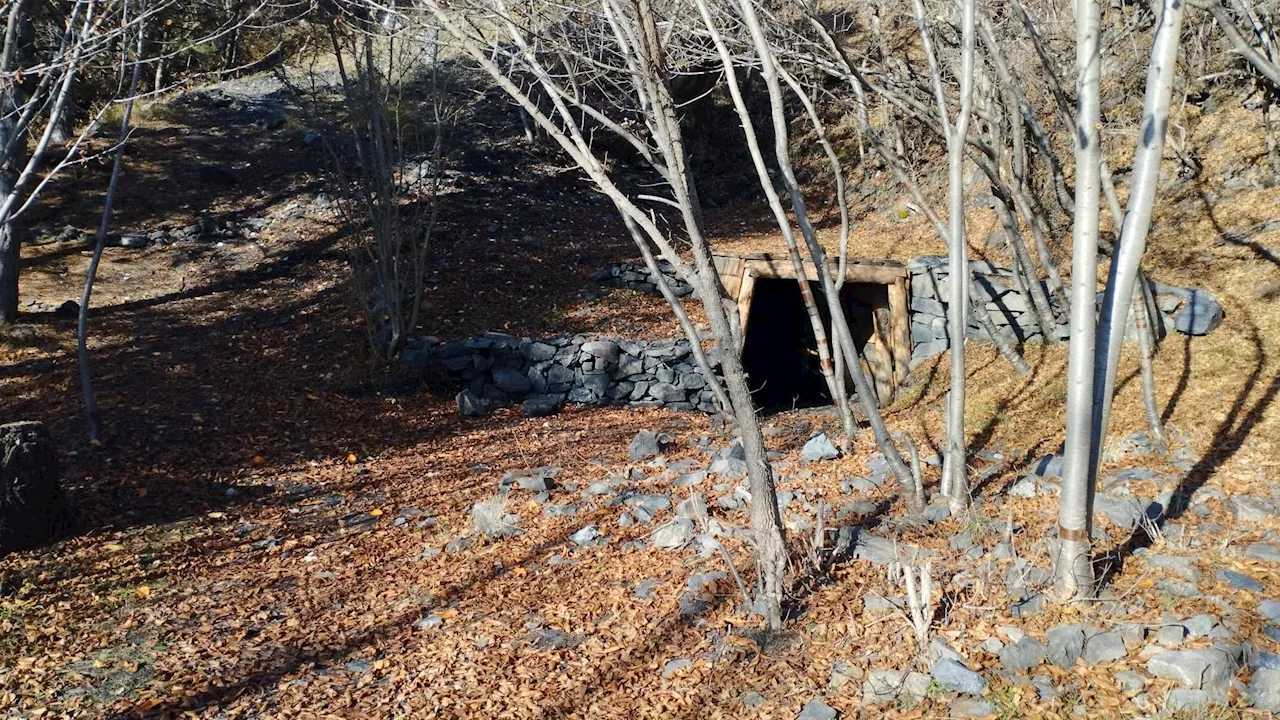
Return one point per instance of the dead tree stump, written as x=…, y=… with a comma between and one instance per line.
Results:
x=33, y=510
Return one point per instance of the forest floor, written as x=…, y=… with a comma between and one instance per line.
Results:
x=263, y=532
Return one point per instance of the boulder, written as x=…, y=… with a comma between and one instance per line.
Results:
x=33, y=510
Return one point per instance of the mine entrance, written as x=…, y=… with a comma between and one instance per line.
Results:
x=780, y=353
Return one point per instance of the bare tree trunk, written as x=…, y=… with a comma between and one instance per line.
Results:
x=1073, y=568
x=642, y=51
x=956, y=464
x=1146, y=348
x=82, y=322
x=13, y=156
x=1125, y=262
x=839, y=323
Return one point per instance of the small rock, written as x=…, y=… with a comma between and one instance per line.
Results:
x=674, y=666
x=936, y=513
x=1270, y=609
x=915, y=687
x=459, y=544
x=690, y=479
x=1264, y=689
x=1023, y=655
x=1247, y=508
x=68, y=310
x=645, y=445
x=1200, y=625
x=1130, y=681
x=955, y=676
x=542, y=405
x=1183, y=567
x=1266, y=552
x=1171, y=635
x=857, y=484
x=470, y=404
x=1066, y=644
x=1049, y=466
x=673, y=535
x=1201, y=314
x=1180, y=699
x=644, y=589
x=731, y=468
x=1209, y=669
x=1024, y=488
x=428, y=622
x=752, y=699
x=1104, y=647
x=819, y=448
x=842, y=673
x=586, y=536
x=1240, y=581
x=882, y=686
x=817, y=710
x=991, y=645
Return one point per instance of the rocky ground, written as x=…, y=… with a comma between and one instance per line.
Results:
x=274, y=528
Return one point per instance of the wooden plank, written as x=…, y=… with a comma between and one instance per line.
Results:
x=730, y=271
x=900, y=330
x=747, y=283
x=782, y=268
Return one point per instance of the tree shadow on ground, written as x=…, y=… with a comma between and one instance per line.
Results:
x=1228, y=438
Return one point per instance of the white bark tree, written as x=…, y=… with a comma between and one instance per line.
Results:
x=1074, y=570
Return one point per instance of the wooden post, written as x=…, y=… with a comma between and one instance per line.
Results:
x=900, y=328
x=880, y=358
x=746, y=290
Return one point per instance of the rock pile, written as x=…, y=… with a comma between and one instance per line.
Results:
x=496, y=368
x=637, y=277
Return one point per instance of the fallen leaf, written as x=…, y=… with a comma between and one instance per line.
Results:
x=113, y=547
x=376, y=512
x=351, y=458
x=217, y=515
x=143, y=592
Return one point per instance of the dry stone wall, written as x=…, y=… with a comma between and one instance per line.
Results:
x=499, y=369
x=1188, y=311
x=543, y=375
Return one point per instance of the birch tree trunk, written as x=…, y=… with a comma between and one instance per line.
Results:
x=956, y=464
x=1073, y=569
x=1126, y=261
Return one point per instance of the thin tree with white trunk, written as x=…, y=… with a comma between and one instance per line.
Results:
x=955, y=465
x=1074, y=569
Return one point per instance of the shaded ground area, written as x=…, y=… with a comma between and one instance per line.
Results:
x=270, y=529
